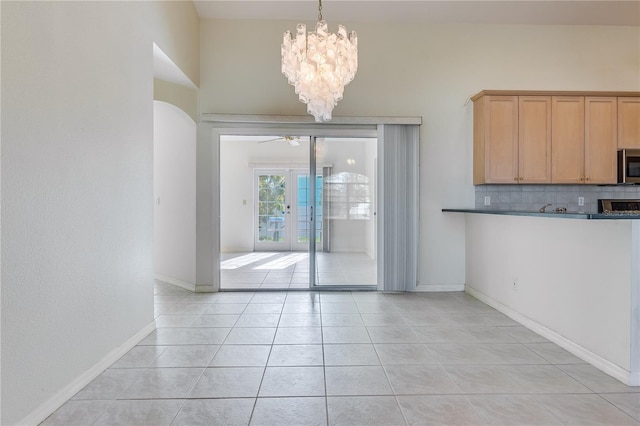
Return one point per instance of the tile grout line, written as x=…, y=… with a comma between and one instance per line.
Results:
x=264, y=372
x=324, y=363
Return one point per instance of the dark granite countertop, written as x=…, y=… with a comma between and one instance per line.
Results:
x=568, y=215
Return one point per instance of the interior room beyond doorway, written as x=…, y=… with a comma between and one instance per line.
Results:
x=271, y=210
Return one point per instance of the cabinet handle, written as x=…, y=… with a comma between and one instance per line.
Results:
x=587, y=179
x=515, y=178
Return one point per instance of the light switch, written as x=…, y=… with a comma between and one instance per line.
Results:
x=244, y=202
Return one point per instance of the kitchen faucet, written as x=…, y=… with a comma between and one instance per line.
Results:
x=544, y=208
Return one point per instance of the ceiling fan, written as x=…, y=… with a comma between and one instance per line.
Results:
x=292, y=140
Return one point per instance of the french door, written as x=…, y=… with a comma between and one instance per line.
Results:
x=283, y=214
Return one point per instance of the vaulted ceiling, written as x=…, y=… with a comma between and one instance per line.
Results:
x=543, y=12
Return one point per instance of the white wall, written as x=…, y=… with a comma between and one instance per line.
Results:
x=572, y=277
x=428, y=71
x=174, y=186
x=77, y=190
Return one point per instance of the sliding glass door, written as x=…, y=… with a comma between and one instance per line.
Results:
x=282, y=229
x=347, y=210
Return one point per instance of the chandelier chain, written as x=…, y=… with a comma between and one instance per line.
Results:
x=319, y=10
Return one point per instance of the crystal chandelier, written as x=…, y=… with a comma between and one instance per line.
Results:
x=319, y=65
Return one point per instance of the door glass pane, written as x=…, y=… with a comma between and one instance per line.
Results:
x=303, y=217
x=272, y=208
x=347, y=211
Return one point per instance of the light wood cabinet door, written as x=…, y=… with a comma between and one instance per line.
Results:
x=628, y=122
x=601, y=164
x=500, y=139
x=534, y=139
x=567, y=139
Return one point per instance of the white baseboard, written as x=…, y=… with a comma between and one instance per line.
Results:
x=205, y=289
x=56, y=401
x=586, y=355
x=439, y=288
x=176, y=282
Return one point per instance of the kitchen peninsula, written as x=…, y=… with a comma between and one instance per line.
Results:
x=575, y=282
x=550, y=214
x=569, y=273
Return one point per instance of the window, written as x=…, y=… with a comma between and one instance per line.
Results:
x=348, y=196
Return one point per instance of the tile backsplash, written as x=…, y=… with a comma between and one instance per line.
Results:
x=532, y=197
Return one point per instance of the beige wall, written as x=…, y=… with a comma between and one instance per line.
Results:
x=176, y=30
x=185, y=98
x=77, y=193
x=175, y=27
x=428, y=71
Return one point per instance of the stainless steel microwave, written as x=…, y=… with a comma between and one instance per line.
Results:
x=629, y=166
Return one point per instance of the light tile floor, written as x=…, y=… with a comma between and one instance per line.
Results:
x=348, y=358
x=284, y=270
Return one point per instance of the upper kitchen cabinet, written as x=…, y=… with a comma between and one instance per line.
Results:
x=567, y=139
x=583, y=140
x=600, y=140
x=628, y=122
x=534, y=139
x=495, y=130
x=512, y=139
x=558, y=137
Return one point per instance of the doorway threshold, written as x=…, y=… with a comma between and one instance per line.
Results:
x=320, y=289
